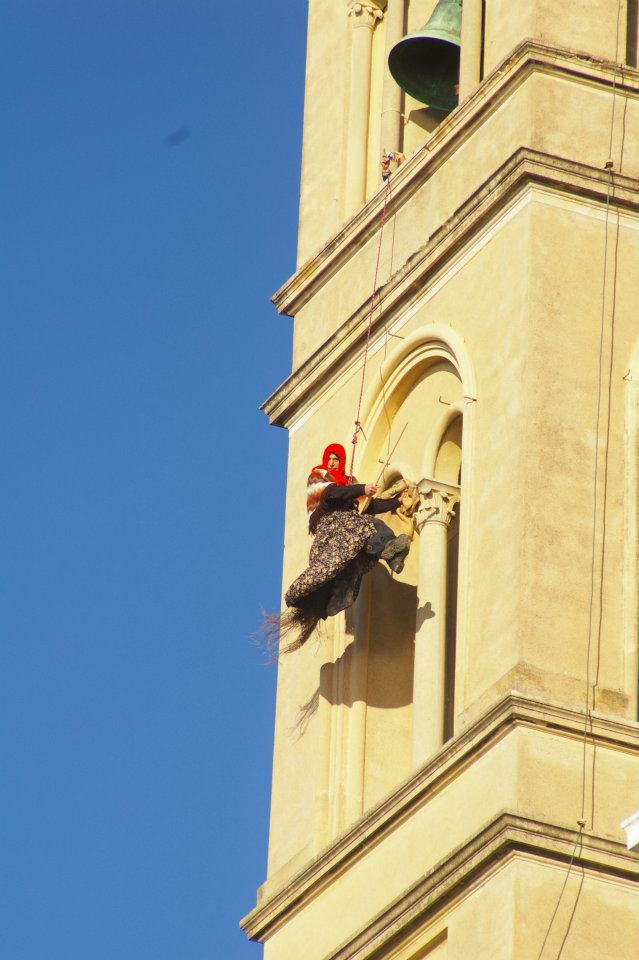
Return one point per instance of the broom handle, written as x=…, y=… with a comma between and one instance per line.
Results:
x=366, y=501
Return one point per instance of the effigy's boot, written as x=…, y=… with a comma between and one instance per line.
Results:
x=395, y=552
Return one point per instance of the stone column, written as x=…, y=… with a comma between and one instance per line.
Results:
x=438, y=502
x=470, y=53
x=363, y=17
x=391, y=138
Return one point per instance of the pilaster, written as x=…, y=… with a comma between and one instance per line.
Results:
x=391, y=120
x=362, y=17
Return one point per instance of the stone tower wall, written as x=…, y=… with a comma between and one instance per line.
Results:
x=436, y=748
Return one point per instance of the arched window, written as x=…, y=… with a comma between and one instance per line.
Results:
x=387, y=692
x=409, y=702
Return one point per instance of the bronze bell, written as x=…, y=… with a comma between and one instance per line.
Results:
x=425, y=64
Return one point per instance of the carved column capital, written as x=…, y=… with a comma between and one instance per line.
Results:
x=364, y=14
x=436, y=505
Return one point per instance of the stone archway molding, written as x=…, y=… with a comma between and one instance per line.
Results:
x=436, y=341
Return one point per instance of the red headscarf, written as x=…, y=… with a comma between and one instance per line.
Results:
x=338, y=475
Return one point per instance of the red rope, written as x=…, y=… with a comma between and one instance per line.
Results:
x=358, y=425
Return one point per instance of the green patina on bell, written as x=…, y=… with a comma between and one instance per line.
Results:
x=425, y=64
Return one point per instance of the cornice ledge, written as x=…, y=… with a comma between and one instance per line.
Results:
x=498, y=720
x=505, y=836
x=523, y=167
x=528, y=56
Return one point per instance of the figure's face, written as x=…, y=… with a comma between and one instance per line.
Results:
x=333, y=462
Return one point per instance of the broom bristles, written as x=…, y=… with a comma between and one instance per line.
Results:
x=286, y=631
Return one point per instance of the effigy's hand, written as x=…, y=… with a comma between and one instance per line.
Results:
x=370, y=489
x=409, y=501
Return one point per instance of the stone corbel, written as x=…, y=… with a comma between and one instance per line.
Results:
x=437, y=503
x=365, y=14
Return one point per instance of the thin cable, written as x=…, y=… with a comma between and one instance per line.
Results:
x=383, y=360
x=572, y=914
x=604, y=508
x=588, y=718
x=358, y=425
x=595, y=497
x=578, y=843
x=588, y=713
x=600, y=377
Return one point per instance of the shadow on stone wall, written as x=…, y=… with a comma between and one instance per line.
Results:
x=387, y=679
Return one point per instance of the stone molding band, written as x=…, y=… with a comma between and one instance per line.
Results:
x=527, y=58
x=523, y=168
x=276, y=908
x=507, y=835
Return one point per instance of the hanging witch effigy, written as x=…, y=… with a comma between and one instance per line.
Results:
x=348, y=540
x=348, y=537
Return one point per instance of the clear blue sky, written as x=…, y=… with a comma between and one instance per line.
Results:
x=149, y=208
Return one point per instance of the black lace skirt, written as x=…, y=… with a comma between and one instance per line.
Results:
x=337, y=562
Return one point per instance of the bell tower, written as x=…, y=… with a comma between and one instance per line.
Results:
x=455, y=754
